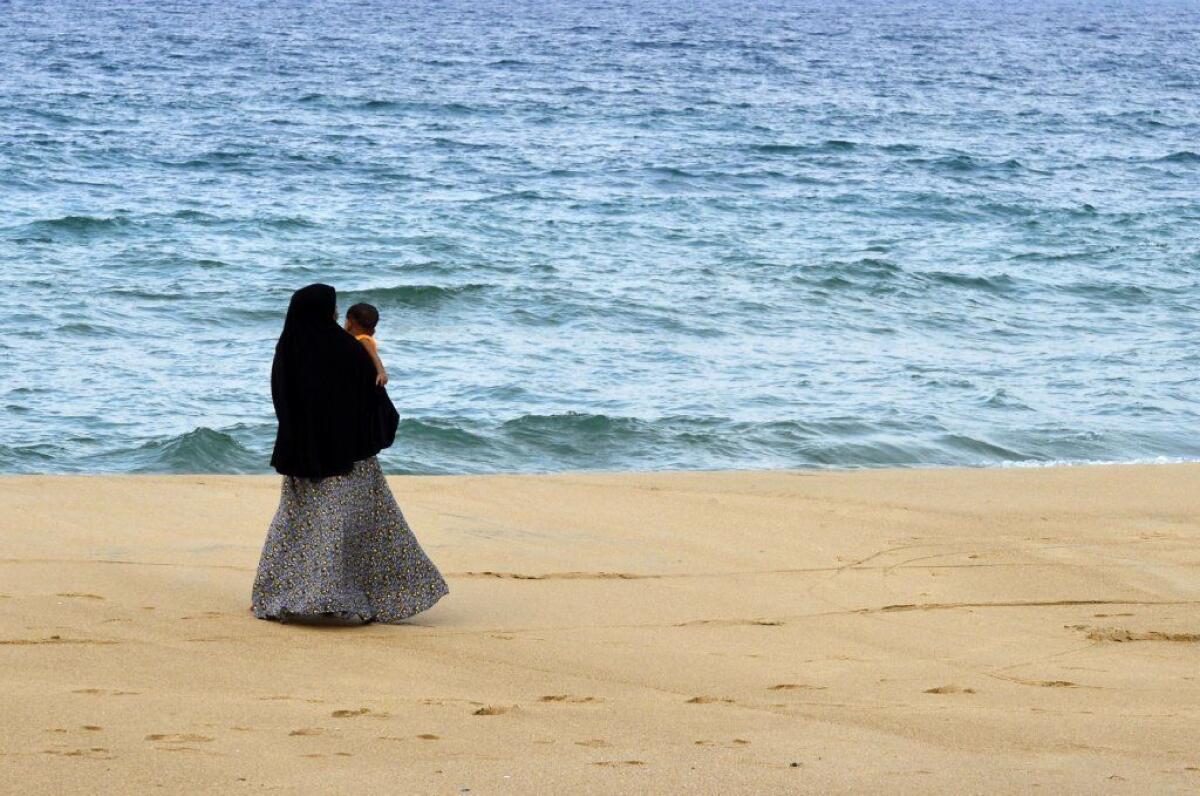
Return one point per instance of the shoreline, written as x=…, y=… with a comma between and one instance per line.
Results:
x=1158, y=461
x=910, y=629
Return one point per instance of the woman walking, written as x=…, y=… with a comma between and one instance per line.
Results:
x=339, y=550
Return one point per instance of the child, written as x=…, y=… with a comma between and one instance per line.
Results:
x=360, y=322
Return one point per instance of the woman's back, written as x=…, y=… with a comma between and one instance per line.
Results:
x=330, y=411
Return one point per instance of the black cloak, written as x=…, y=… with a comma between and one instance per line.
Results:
x=331, y=413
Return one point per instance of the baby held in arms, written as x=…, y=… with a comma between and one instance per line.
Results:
x=361, y=320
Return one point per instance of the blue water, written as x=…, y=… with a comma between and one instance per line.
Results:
x=619, y=235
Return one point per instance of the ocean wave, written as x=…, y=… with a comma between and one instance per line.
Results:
x=89, y=331
x=27, y=458
x=414, y=295
x=423, y=106
x=1182, y=156
x=47, y=115
x=872, y=267
x=1000, y=284
x=285, y=222
x=981, y=450
x=221, y=159
x=828, y=146
x=81, y=225
x=513, y=196
x=588, y=440
x=658, y=44
x=451, y=143
x=1110, y=291
x=1000, y=399
x=1149, y=460
x=194, y=215
x=549, y=442
x=201, y=450
x=966, y=164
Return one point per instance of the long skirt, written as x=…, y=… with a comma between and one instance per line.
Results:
x=340, y=551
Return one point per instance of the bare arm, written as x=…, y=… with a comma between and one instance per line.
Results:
x=381, y=377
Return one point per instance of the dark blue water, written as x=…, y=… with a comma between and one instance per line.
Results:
x=607, y=235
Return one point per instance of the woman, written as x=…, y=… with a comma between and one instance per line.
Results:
x=339, y=550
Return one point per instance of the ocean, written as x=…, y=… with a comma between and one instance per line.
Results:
x=619, y=236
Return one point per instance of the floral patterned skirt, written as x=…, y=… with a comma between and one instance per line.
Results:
x=339, y=549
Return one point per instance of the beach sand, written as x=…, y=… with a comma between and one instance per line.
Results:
x=758, y=632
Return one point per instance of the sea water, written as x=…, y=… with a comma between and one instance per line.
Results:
x=618, y=235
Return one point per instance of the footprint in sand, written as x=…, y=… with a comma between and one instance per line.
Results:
x=428, y=736
x=104, y=692
x=280, y=697
x=494, y=710
x=445, y=701
x=596, y=743
x=758, y=622
x=308, y=731
x=55, y=639
x=950, y=689
x=204, y=615
x=1119, y=635
x=796, y=687
x=350, y=713
x=79, y=595
x=569, y=698
x=706, y=700
x=180, y=737
x=736, y=742
x=619, y=763
x=94, y=752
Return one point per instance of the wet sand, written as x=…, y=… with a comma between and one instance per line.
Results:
x=755, y=632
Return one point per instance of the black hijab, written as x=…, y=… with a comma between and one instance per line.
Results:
x=331, y=413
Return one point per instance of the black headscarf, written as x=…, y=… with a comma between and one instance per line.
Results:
x=331, y=413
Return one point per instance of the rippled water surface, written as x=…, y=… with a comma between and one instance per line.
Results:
x=607, y=235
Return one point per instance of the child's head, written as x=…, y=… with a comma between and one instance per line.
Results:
x=361, y=319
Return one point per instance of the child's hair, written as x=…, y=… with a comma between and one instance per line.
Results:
x=365, y=316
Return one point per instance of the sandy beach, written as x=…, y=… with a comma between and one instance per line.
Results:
x=744, y=632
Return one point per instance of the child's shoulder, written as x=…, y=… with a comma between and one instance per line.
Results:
x=366, y=340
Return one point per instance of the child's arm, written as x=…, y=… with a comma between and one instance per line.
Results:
x=380, y=374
